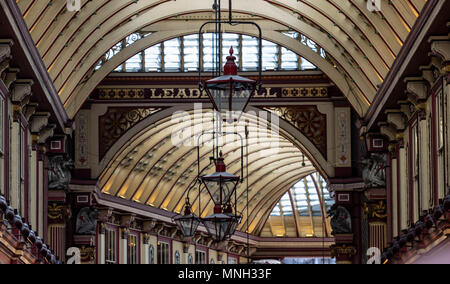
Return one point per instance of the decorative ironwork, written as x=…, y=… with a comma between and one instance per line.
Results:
x=117, y=121
x=309, y=121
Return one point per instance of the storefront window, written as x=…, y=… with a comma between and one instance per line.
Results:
x=163, y=253
x=200, y=257
x=132, y=253
x=110, y=246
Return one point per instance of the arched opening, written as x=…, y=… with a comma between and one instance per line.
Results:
x=155, y=162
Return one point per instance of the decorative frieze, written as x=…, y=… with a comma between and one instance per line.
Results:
x=194, y=93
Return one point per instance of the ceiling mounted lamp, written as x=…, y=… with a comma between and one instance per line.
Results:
x=187, y=223
x=230, y=93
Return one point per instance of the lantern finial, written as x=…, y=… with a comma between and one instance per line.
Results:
x=230, y=67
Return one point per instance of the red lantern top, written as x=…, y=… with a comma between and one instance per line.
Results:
x=231, y=67
x=220, y=164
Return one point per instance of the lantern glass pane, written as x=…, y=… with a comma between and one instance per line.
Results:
x=187, y=224
x=218, y=226
x=240, y=93
x=218, y=194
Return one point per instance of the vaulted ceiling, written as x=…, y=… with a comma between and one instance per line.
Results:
x=151, y=169
x=361, y=45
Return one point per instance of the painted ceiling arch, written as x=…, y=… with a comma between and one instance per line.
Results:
x=147, y=168
x=368, y=41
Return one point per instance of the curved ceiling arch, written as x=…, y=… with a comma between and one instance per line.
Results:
x=355, y=93
x=321, y=13
x=284, y=152
x=92, y=34
x=121, y=32
x=164, y=191
x=261, y=177
x=142, y=131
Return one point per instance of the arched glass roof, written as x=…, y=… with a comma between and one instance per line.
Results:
x=301, y=212
x=306, y=198
x=181, y=54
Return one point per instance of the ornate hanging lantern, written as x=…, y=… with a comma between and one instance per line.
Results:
x=220, y=185
x=220, y=226
x=188, y=223
x=230, y=93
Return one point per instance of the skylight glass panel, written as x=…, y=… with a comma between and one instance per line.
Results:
x=134, y=64
x=172, y=55
x=119, y=68
x=302, y=203
x=181, y=54
x=153, y=59
x=276, y=211
x=306, y=65
x=289, y=60
x=270, y=56
x=228, y=41
x=191, y=52
x=250, y=53
x=209, y=52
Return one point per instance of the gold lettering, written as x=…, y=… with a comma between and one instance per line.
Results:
x=194, y=93
x=168, y=93
x=181, y=93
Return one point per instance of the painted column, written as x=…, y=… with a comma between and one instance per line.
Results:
x=14, y=165
x=123, y=245
x=403, y=195
x=40, y=185
x=425, y=165
x=395, y=196
x=145, y=249
x=33, y=220
x=446, y=82
x=101, y=244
